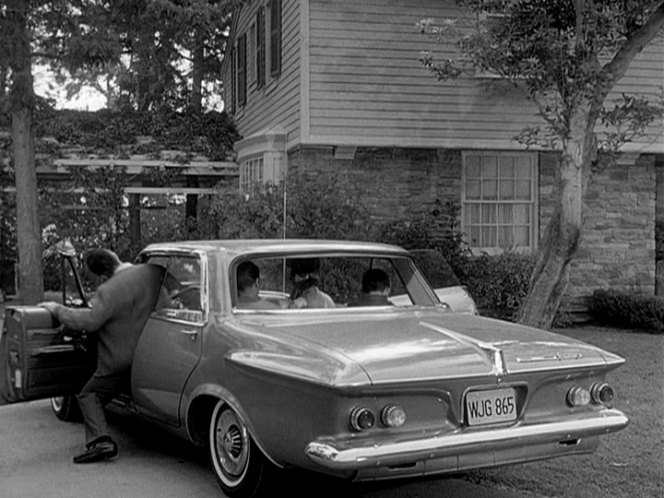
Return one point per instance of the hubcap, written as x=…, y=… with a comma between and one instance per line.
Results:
x=232, y=443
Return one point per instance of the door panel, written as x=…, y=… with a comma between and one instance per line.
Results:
x=40, y=359
x=166, y=354
x=170, y=345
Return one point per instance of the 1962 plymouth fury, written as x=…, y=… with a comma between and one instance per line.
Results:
x=403, y=388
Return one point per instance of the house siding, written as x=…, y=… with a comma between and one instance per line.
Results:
x=367, y=86
x=277, y=103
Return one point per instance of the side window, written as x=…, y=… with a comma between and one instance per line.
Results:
x=181, y=294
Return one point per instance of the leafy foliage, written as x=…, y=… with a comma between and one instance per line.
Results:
x=499, y=283
x=628, y=310
x=438, y=229
x=324, y=206
x=211, y=134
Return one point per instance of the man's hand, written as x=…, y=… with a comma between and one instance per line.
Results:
x=51, y=306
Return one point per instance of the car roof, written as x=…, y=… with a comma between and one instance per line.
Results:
x=262, y=246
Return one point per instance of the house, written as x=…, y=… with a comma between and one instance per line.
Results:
x=337, y=85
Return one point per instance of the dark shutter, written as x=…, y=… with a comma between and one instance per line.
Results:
x=275, y=37
x=242, y=69
x=260, y=47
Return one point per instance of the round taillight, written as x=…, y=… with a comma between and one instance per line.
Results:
x=361, y=419
x=602, y=393
x=578, y=396
x=393, y=416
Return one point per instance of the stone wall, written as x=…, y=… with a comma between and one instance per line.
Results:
x=398, y=182
x=617, y=250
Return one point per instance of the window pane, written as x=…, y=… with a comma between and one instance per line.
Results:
x=489, y=237
x=523, y=190
x=489, y=190
x=472, y=166
x=489, y=167
x=522, y=236
x=522, y=168
x=521, y=214
x=473, y=190
x=475, y=236
x=505, y=214
x=506, y=167
x=488, y=213
x=473, y=214
x=506, y=190
x=505, y=239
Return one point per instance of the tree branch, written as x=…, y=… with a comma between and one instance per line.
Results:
x=633, y=45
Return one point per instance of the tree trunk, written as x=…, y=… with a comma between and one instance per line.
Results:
x=563, y=233
x=28, y=230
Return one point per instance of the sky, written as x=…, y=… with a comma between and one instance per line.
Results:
x=88, y=100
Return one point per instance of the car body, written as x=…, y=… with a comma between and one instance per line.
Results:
x=361, y=393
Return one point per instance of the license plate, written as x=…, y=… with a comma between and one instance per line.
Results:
x=490, y=407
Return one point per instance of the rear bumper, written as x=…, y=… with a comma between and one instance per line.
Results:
x=465, y=449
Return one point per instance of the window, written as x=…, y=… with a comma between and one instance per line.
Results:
x=251, y=172
x=275, y=37
x=233, y=95
x=182, y=289
x=242, y=69
x=260, y=47
x=499, y=199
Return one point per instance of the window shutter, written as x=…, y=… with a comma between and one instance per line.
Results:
x=275, y=37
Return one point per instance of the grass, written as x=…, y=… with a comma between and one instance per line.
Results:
x=628, y=464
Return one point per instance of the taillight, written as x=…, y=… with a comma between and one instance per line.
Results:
x=361, y=419
x=602, y=393
x=578, y=396
x=393, y=416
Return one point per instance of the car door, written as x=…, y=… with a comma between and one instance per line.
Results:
x=170, y=346
x=39, y=357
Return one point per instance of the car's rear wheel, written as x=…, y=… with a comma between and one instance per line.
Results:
x=66, y=408
x=240, y=466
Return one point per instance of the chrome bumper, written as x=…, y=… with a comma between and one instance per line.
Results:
x=354, y=454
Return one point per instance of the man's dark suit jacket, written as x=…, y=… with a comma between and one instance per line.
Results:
x=118, y=312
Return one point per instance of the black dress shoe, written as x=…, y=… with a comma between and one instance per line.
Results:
x=100, y=449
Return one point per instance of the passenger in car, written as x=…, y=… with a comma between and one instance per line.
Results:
x=375, y=289
x=305, y=293
x=248, y=280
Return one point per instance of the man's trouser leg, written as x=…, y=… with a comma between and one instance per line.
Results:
x=92, y=399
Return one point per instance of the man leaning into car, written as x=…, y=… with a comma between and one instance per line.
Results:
x=117, y=313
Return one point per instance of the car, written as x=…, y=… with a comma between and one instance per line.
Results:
x=355, y=392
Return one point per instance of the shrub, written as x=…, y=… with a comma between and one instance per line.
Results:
x=438, y=229
x=499, y=283
x=628, y=310
x=321, y=207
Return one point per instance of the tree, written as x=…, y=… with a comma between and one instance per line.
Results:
x=567, y=56
x=55, y=30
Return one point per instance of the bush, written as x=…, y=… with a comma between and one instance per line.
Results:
x=438, y=229
x=498, y=284
x=628, y=310
x=321, y=207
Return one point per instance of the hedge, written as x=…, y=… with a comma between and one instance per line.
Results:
x=628, y=310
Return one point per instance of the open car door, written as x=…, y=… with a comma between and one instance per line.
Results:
x=39, y=357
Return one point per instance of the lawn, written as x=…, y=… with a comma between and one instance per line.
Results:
x=629, y=463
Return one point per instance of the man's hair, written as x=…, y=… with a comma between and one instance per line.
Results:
x=247, y=274
x=102, y=262
x=304, y=266
x=375, y=279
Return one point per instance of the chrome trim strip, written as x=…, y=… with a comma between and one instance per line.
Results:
x=348, y=455
x=494, y=354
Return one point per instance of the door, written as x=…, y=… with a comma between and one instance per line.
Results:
x=40, y=358
x=170, y=346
